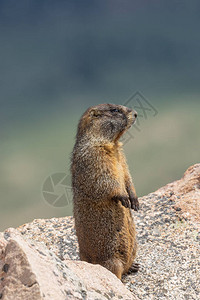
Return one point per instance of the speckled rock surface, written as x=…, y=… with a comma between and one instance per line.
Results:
x=168, y=238
x=58, y=234
x=29, y=271
x=186, y=193
x=169, y=252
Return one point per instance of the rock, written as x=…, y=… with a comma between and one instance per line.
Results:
x=31, y=271
x=40, y=260
x=185, y=192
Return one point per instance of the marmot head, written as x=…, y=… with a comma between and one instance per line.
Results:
x=106, y=122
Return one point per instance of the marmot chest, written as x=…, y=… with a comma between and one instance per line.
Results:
x=119, y=170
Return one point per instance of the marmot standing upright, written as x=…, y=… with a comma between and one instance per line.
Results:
x=103, y=192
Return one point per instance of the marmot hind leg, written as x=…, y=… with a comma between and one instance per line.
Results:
x=115, y=266
x=134, y=268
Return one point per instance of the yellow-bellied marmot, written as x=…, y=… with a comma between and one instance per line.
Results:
x=103, y=192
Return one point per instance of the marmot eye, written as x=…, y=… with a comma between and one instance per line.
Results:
x=114, y=110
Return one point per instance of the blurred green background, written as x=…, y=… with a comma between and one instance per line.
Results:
x=59, y=57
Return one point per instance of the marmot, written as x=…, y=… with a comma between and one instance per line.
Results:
x=103, y=192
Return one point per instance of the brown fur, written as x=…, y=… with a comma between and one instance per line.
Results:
x=103, y=189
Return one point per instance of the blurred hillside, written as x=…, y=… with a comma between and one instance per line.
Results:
x=165, y=147
x=59, y=57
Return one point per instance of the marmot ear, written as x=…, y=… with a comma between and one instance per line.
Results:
x=94, y=113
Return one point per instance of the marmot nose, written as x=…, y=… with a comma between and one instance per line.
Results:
x=135, y=114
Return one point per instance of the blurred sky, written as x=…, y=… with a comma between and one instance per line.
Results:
x=59, y=57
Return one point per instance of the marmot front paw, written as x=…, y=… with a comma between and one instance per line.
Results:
x=134, y=202
x=125, y=201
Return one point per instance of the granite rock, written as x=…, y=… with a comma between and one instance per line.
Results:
x=30, y=271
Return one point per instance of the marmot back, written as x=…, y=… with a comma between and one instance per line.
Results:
x=103, y=192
